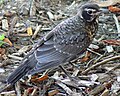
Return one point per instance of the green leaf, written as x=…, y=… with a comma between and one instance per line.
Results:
x=1, y=43
x=2, y=37
x=1, y=1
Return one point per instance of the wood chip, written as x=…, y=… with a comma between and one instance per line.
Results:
x=5, y=25
x=105, y=93
x=29, y=31
x=50, y=15
x=24, y=49
x=97, y=90
x=53, y=92
x=109, y=49
x=2, y=70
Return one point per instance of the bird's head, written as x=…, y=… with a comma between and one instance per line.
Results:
x=89, y=12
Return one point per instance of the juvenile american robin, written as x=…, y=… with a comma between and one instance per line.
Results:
x=66, y=42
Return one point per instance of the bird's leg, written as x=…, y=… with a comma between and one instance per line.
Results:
x=75, y=80
x=65, y=71
x=74, y=65
x=67, y=74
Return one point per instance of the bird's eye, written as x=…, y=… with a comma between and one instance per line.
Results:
x=89, y=11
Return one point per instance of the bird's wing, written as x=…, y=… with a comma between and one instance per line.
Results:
x=61, y=45
x=47, y=55
x=44, y=55
x=73, y=44
x=72, y=37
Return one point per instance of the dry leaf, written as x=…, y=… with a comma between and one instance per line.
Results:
x=30, y=90
x=29, y=31
x=2, y=51
x=8, y=41
x=87, y=55
x=114, y=9
x=37, y=79
x=43, y=78
x=111, y=42
x=108, y=85
x=9, y=14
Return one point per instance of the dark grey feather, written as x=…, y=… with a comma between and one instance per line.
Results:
x=64, y=43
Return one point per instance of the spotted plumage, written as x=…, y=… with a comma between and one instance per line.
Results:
x=64, y=43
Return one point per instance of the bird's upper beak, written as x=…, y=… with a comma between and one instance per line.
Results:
x=98, y=13
x=101, y=10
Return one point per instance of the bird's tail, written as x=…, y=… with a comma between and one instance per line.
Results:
x=22, y=70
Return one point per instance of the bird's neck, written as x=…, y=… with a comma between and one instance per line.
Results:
x=92, y=28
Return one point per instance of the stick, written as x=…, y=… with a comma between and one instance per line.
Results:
x=100, y=63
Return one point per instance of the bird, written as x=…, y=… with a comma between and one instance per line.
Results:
x=64, y=43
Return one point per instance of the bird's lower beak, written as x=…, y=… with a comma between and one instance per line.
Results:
x=101, y=10
x=98, y=13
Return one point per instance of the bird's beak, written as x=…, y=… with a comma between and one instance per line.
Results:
x=98, y=13
x=103, y=10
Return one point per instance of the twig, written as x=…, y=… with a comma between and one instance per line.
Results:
x=75, y=73
x=89, y=62
x=14, y=21
x=67, y=89
x=22, y=35
x=25, y=93
x=97, y=90
x=32, y=8
x=117, y=24
x=36, y=31
x=100, y=63
x=5, y=87
x=117, y=66
x=15, y=57
x=93, y=52
x=98, y=59
x=6, y=62
x=79, y=83
x=7, y=93
x=17, y=88
x=34, y=92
